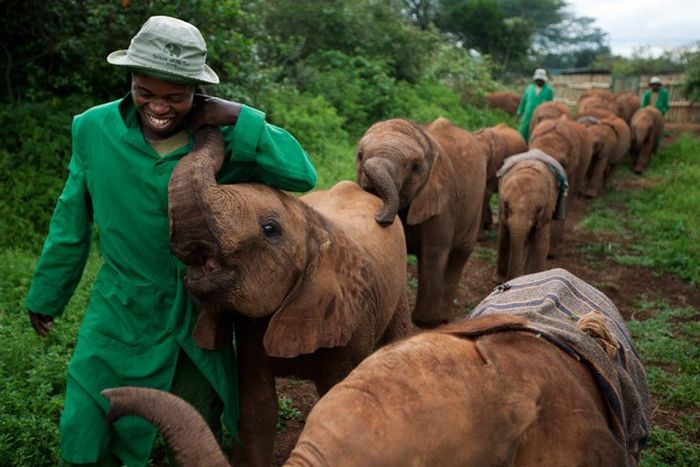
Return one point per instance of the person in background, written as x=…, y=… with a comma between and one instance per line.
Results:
x=137, y=330
x=537, y=92
x=656, y=95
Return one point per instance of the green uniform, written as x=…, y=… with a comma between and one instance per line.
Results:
x=661, y=99
x=140, y=316
x=529, y=103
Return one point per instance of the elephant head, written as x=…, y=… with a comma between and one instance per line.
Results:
x=549, y=111
x=396, y=160
x=528, y=197
x=260, y=252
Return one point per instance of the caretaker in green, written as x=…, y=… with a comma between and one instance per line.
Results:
x=656, y=95
x=535, y=93
x=138, y=324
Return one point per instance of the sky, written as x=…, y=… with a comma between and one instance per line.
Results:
x=630, y=24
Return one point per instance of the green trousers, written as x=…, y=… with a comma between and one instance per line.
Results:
x=192, y=386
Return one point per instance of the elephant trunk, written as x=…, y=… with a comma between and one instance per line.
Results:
x=185, y=431
x=191, y=224
x=516, y=259
x=382, y=183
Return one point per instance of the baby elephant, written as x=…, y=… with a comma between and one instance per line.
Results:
x=549, y=379
x=532, y=191
x=312, y=284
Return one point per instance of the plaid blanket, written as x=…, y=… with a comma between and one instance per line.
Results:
x=553, y=302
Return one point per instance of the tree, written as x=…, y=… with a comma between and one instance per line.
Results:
x=483, y=26
x=575, y=42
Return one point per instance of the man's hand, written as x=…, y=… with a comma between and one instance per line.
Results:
x=207, y=110
x=41, y=323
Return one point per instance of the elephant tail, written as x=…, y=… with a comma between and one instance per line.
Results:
x=593, y=324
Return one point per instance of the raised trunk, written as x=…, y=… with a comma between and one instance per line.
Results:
x=191, y=226
x=516, y=263
x=377, y=171
x=185, y=431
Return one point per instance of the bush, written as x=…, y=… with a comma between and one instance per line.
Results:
x=34, y=155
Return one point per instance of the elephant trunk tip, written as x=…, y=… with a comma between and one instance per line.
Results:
x=384, y=219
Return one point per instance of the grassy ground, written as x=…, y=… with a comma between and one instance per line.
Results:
x=662, y=220
x=657, y=219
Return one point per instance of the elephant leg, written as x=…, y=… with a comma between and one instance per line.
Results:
x=453, y=273
x=597, y=176
x=258, y=398
x=501, y=274
x=556, y=233
x=486, y=215
x=540, y=248
x=431, y=272
x=644, y=156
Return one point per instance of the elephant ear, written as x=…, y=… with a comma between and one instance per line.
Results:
x=327, y=305
x=430, y=199
x=213, y=331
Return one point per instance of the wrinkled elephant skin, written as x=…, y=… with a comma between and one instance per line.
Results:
x=434, y=178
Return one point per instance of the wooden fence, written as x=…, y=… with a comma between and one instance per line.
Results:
x=568, y=88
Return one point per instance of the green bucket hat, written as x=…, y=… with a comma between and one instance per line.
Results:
x=169, y=49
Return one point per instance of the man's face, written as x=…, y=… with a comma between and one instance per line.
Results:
x=655, y=87
x=539, y=82
x=162, y=106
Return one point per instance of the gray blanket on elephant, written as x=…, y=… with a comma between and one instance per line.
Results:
x=553, y=302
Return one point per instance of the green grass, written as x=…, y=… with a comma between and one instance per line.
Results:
x=669, y=345
x=662, y=221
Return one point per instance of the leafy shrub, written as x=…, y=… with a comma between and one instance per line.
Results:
x=34, y=154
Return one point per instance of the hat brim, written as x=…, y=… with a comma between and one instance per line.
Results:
x=207, y=76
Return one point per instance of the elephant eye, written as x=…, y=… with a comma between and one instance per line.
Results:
x=415, y=167
x=359, y=155
x=271, y=229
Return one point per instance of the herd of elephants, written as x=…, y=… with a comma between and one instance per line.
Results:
x=316, y=287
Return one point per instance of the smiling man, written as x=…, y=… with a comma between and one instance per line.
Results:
x=137, y=329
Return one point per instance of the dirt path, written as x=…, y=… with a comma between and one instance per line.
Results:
x=582, y=253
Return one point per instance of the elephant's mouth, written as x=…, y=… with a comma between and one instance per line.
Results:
x=207, y=277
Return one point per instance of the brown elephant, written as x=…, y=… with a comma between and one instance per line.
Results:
x=628, y=104
x=313, y=284
x=606, y=139
x=646, y=126
x=499, y=142
x=551, y=110
x=542, y=386
x=507, y=101
x=433, y=177
x=531, y=187
x=598, y=99
x=569, y=143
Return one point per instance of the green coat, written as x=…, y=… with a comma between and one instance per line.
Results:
x=661, y=100
x=529, y=103
x=139, y=316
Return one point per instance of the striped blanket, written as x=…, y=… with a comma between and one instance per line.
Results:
x=553, y=302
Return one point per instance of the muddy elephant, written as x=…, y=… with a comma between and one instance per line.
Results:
x=499, y=142
x=531, y=192
x=646, y=127
x=569, y=143
x=312, y=285
x=540, y=386
x=551, y=110
x=610, y=141
x=507, y=101
x=433, y=177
